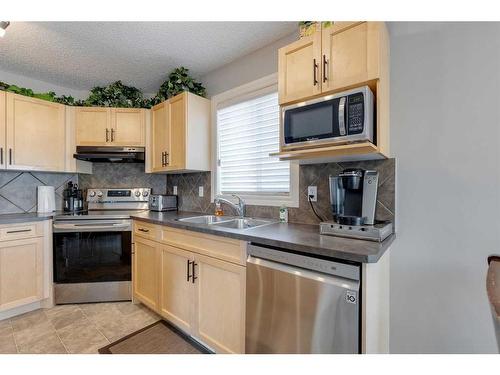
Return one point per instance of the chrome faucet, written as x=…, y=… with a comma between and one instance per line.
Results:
x=240, y=207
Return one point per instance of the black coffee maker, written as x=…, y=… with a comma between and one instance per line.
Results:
x=353, y=196
x=73, y=198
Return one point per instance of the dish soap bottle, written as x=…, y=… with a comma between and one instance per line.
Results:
x=218, y=209
x=283, y=214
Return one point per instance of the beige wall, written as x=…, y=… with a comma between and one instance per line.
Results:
x=247, y=68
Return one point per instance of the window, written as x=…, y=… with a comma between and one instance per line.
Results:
x=247, y=131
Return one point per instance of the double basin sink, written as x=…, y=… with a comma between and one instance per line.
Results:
x=227, y=221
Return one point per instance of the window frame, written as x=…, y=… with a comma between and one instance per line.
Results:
x=241, y=93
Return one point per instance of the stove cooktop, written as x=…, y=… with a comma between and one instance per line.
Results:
x=97, y=214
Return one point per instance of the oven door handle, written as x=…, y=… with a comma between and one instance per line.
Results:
x=89, y=227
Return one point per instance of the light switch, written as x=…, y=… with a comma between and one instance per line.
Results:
x=200, y=191
x=175, y=190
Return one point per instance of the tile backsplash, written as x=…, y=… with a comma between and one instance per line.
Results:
x=313, y=174
x=122, y=175
x=18, y=190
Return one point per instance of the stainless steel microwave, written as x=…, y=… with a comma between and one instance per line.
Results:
x=339, y=118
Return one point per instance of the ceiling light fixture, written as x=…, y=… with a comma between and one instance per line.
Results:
x=3, y=27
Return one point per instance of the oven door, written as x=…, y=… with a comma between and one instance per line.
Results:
x=92, y=251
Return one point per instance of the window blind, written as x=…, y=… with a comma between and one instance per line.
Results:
x=247, y=132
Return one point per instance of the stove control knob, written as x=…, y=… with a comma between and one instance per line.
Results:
x=92, y=193
x=145, y=193
x=137, y=193
x=99, y=194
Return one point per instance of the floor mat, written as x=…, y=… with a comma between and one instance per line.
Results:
x=158, y=338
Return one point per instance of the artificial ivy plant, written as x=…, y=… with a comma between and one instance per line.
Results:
x=117, y=94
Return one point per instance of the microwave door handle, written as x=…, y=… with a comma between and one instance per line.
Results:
x=342, y=129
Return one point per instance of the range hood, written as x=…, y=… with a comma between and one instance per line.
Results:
x=99, y=154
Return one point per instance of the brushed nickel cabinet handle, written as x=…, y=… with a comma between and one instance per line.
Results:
x=10, y=156
x=1, y=155
x=107, y=135
x=166, y=159
x=143, y=230
x=112, y=135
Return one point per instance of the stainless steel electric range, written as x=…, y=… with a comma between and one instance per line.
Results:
x=93, y=248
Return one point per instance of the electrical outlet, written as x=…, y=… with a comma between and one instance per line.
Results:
x=312, y=191
x=200, y=191
x=175, y=190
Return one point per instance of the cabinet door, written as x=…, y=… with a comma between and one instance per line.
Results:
x=160, y=136
x=36, y=135
x=93, y=126
x=145, y=272
x=299, y=69
x=176, y=290
x=220, y=304
x=2, y=130
x=128, y=127
x=21, y=272
x=176, y=157
x=350, y=55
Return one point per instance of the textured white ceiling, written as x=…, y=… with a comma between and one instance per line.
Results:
x=81, y=55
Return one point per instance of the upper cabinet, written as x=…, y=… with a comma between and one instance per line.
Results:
x=98, y=126
x=299, y=75
x=33, y=134
x=342, y=56
x=334, y=59
x=179, y=137
x=349, y=54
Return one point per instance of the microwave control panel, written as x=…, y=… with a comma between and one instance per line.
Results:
x=355, y=113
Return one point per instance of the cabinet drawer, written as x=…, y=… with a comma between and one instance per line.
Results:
x=146, y=230
x=218, y=247
x=19, y=231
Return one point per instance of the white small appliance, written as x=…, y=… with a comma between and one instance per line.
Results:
x=46, y=200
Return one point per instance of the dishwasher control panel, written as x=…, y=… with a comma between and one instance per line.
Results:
x=308, y=262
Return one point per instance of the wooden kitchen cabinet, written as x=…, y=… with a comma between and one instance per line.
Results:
x=146, y=272
x=343, y=56
x=35, y=134
x=176, y=288
x=180, y=135
x=25, y=267
x=93, y=126
x=299, y=63
x=21, y=257
x=210, y=306
x=99, y=126
x=350, y=55
x=128, y=127
x=160, y=137
x=220, y=304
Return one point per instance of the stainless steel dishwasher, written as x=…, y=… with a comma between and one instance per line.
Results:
x=300, y=304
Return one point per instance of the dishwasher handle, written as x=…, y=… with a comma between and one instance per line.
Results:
x=309, y=263
x=306, y=274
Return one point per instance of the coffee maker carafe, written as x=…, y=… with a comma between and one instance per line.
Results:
x=73, y=198
x=353, y=196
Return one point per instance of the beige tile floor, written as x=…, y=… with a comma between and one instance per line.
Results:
x=75, y=329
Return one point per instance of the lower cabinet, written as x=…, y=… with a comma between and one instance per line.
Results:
x=146, y=272
x=176, y=289
x=202, y=295
x=220, y=304
x=24, y=262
